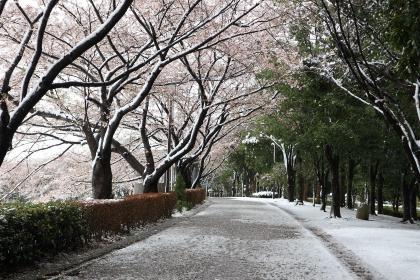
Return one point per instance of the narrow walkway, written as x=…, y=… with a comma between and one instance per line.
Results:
x=230, y=239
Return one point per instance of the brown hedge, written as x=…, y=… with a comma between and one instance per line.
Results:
x=195, y=196
x=115, y=216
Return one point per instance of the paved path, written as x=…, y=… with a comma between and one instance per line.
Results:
x=231, y=239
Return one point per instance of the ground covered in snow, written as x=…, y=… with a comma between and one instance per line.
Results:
x=254, y=238
x=385, y=245
x=230, y=239
x=50, y=267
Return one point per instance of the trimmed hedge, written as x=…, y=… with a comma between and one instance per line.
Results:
x=115, y=216
x=30, y=231
x=195, y=196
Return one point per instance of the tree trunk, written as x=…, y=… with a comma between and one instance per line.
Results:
x=301, y=184
x=380, y=192
x=102, y=177
x=291, y=178
x=335, y=188
x=324, y=191
x=151, y=184
x=5, y=133
x=350, y=176
x=334, y=162
x=342, y=185
x=407, y=187
x=300, y=179
x=322, y=176
x=5, y=144
x=397, y=192
x=413, y=201
x=373, y=170
x=305, y=190
x=317, y=192
x=186, y=175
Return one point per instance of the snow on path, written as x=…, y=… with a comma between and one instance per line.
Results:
x=383, y=242
x=231, y=239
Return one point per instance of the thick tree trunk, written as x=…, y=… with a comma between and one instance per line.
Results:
x=150, y=183
x=324, y=191
x=305, y=190
x=102, y=178
x=322, y=177
x=350, y=176
x=380, y=192
x=406, y=200
x=335, y=189
x=186, y=175
x=235, y=185
x=317, y=193
x=5, y=144
x=151, y=186
x=334, y=163
x=301, y=184
x=291, y=178
x=5, y=133
x=300, y=179
x=413, y=201
x=373, y=170
x=397, y=192
x=342, y=185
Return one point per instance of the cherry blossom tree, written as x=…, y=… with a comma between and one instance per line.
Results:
x=100, y=84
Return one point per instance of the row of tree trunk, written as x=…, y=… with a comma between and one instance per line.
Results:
x=341, y=185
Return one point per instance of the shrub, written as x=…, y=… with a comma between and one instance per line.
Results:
x=195, y=196
x=116, y=216
x=29, y=231
x=181, y=197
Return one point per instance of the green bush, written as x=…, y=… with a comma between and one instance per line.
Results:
x=29, y=231
x=181, y=196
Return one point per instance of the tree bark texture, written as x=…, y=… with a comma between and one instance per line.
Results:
x=350, y=177
x=324, y=191
x=291, y=178
x=151, y=184
x=413, y=201
x=373, y=170
x=342, y=184
x=5, y=134
x=380, y=192
x=301, y=183
x=334, y=162
x=407, y=190
x=102, y=177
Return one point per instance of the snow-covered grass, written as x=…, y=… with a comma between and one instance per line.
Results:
x=384, y=243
